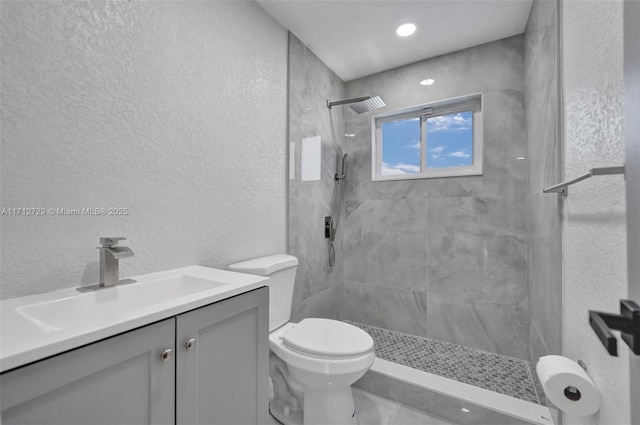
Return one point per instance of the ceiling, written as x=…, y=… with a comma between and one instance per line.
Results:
x=356, y=38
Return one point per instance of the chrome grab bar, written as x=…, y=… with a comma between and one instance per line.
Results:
x=603, y=171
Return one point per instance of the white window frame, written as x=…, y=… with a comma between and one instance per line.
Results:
x=471, y=103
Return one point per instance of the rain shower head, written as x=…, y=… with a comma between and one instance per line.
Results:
x=360, y=104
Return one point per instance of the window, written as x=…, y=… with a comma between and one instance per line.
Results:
x=441, y=139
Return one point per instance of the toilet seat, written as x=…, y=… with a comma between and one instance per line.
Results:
x=328, y=338
x=326, y=364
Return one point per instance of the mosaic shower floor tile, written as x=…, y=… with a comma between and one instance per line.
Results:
x=494, y=372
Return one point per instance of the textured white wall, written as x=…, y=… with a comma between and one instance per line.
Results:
x=594, y=219
x=174, y=110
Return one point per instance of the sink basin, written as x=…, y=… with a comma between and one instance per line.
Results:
x=38, y=326
x=108, y=303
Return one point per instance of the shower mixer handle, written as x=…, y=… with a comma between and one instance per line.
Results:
x=329, y=228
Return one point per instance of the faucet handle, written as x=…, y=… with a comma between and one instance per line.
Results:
x=111, y=242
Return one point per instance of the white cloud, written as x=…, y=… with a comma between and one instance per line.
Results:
x=448, y=123
x=459, y=154
x=437, y=151
x=399, y=168
x=414, y=145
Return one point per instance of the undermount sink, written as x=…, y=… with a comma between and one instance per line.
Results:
x=107, y=303
x=37, y=326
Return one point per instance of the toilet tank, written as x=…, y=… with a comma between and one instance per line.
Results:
x=281, y=269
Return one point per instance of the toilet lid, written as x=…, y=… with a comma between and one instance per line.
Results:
x=328, y=337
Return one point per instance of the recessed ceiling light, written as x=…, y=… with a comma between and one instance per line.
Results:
x=406, y=29
x=427, y=82
x=465, y=410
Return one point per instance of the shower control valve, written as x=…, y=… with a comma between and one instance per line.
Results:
x=328, y=224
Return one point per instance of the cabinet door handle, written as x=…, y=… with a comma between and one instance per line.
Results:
x=191, y=344
x=166, y=355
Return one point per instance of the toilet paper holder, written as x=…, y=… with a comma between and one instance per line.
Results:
x=628, y=323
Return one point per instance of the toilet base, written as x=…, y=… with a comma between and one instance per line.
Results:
x=284, y=415
x=322, y=406
x=329, y=406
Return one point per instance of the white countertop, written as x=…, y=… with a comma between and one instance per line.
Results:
x=24, y=339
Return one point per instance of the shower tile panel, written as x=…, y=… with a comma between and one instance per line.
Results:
x=545, y=280
x=313, y=274
x=543, y=215
x=499, y=328
x=537, y=348
x=391, y=260
x=326, y=304
x=386, y=243
x=477, y=250
x=541, y=15
x=390, y=308
x=542, y=153
x=388, y=215
x=495, y=372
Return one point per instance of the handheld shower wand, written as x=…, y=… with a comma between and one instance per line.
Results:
x=331, y=221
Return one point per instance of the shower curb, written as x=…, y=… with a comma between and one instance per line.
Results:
x=451, y=400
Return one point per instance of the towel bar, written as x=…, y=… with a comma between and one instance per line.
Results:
x=604, y=171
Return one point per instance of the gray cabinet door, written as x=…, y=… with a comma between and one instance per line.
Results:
x=223, y=379
x=119, y=380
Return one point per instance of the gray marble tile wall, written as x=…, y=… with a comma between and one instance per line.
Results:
x=543, y=213
x=318, y=289
x=443, y=258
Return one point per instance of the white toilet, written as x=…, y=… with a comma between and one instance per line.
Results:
x=313, y=363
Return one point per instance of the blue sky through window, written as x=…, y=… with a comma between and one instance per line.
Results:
x=401, y=147
x=449, y=143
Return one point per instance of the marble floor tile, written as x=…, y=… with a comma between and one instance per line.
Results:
x=408, y=416
x=375, y=410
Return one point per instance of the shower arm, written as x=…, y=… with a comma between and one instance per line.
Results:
x=347, y=101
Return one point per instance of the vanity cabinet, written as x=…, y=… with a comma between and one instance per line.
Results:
x=114, y=381
x=205, y=366
x=223, y=374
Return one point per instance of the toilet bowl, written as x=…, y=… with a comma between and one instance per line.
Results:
x=315, y=361
x=324, y=357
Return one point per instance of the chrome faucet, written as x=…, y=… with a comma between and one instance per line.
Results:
x=110, y=255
